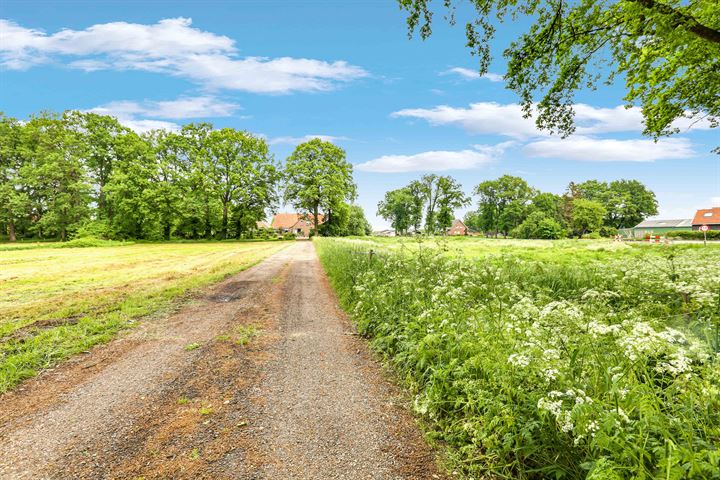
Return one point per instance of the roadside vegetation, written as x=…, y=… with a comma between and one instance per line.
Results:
x=55, y=302
x=541, y=359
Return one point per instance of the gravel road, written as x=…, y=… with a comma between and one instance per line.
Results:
x=279, y=388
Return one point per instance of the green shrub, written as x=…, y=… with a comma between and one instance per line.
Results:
x=289, y=236
x=592, y=236
x=694, y=234
x=539, y=225
x=86, y=242
x=605, y=369
x=608, y=232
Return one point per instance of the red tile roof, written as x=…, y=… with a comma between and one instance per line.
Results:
x=707, y=216
x=288, y=220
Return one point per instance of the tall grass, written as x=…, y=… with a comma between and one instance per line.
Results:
x=604, y=369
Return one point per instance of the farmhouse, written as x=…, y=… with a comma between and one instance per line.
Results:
x=660, y=227
x=458, y=228
x=709, y=217
x=298, y=223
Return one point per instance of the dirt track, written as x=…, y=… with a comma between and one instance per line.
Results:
x=302, y=399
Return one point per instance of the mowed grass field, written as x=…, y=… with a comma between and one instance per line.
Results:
x=55, y=302
x=547, y=359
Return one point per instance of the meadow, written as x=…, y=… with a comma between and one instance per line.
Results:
x=547, y=359
x=57, y=301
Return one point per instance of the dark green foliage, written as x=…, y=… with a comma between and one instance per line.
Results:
x=502, y=203
x=508, y=205
x=539, y=225
x=318, y=179
x=83, y=174
x=438, y=196
x=626, y=202
x=694, y=235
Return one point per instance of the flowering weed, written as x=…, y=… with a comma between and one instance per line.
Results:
x=527, y=368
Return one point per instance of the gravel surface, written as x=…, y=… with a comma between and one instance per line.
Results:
x=305, y=400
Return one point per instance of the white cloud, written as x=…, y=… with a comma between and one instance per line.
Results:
x=433, y=161
x=142, y=126
x=183, y=107
x=171, y=46
x=469, y=74
x=479, y=118
x=143, y=116
x=288, y=140
x=507, y=119
x=582, y=148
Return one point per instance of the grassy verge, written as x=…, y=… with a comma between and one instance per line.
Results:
x=53, y=305
x=531, y=366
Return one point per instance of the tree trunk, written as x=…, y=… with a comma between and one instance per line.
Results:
x=63, y=234
x=208, y=229
x=315, y=219
x=11, y=230
x=166, y=231
x=225, y=221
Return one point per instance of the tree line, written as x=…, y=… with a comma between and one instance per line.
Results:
x=508, y=206
x=427, y=204
x=81, y=173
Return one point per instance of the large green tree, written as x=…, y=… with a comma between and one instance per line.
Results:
x=502, y=202
x=587, y=216
x=627, y=202
x=357, y=223
x=450, y=197
x=131, y=190
x=240, y=166
x=318, y=178
x=417, y=190
x=100, y=136
x=440, y=196
x=14, y=201
x=398, y=207
x=666, y=51
x=61, y=190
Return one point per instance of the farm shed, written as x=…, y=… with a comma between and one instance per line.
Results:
x=707, y=216
x=660, y=227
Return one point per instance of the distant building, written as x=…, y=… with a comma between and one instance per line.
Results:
x=458, y=228
x=660, y=227
x=384, y=233
x=707, y=216
x=299, y=224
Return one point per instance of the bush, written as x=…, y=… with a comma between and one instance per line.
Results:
x=86, y=242
x=592, y=236
x=538, y=225
x=530, y=370
x=96, y=229
x=694, y=234
x=289, y=236
x=608, y=232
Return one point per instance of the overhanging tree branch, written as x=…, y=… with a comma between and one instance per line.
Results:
x=679, y=18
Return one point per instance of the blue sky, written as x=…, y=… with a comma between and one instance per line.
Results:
x=342, y=70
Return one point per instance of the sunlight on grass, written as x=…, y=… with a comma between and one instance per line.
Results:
x=57, y=302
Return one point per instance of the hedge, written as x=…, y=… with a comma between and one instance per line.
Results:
x=694, y=234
